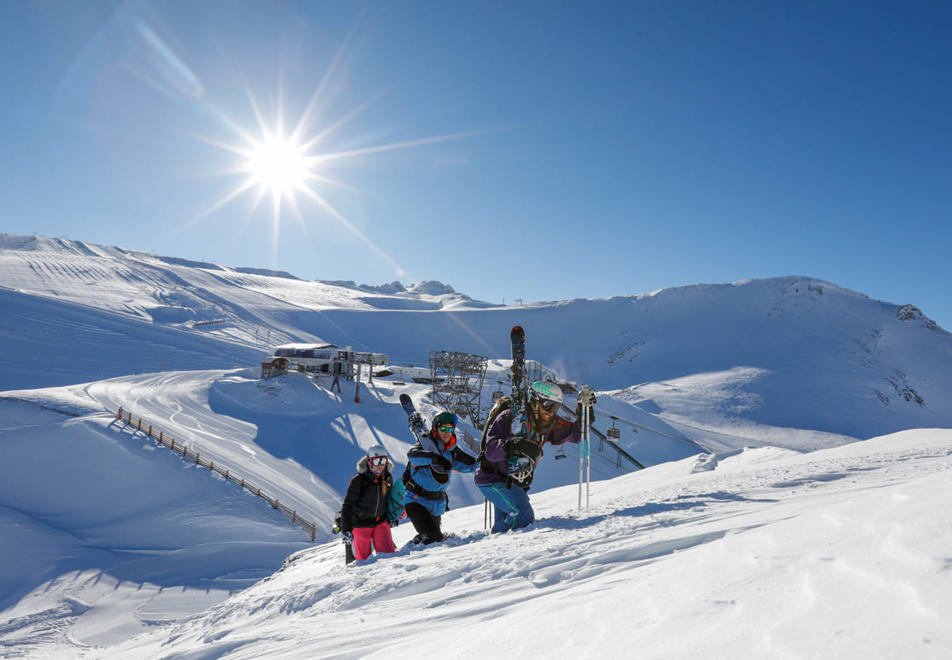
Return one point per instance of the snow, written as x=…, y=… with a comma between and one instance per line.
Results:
x=771, y=521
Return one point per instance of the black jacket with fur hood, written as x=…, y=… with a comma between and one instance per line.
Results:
x=365, y=504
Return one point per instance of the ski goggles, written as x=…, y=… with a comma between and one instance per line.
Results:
x=446, y=429
x=548, y=405
x=378, y=461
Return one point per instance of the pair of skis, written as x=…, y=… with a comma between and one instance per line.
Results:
x=413, y=417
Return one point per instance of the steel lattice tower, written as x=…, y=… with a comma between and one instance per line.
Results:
x=458, y=383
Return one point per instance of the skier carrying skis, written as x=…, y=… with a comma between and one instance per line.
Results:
x=429, y=464
x=507, y=463
x=365, y=517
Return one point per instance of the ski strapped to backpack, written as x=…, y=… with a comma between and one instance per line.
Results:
x=521, y=443
x=517, y=345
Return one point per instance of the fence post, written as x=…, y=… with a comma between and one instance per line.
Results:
x=306, y=525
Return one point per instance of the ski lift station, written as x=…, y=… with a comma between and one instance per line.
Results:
x=319, y=358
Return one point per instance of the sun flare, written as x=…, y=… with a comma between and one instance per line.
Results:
x=279, y=165
x=280, y=161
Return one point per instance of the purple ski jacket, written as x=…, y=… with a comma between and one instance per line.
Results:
x=492, y=469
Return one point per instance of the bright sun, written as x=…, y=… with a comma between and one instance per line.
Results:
x=284, y=167
x=279, y=165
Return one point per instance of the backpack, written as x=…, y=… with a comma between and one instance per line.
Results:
x=395, y=510
x=502, y=404
x=524, y=447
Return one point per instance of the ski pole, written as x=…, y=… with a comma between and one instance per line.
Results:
x=588, y=455
x=581, y=461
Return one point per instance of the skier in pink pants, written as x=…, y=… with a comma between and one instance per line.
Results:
x=364, y=514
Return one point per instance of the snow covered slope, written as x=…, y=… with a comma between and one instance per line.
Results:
x=762, y=553
x=107, y=535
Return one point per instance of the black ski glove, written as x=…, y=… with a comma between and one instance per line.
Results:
x=441, y=464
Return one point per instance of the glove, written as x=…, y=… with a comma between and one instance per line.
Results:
x=519, y=467
x=348, y=537
x=441, y=464
x=586, y=398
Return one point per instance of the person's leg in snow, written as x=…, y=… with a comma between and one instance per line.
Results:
x=513, y=509
x=363, y=537
x=382, y=539
x=426, y=524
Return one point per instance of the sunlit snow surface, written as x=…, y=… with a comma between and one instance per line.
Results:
x=791, y=538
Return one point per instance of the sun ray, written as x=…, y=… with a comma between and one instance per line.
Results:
x=318, y=178
x=334, y=213
x=365, y=151
x=236, y=192
x=343, y=120
x=245, y=221
x=253, y=102
x=305, y=118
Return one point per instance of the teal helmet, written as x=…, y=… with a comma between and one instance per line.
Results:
x=444, y=419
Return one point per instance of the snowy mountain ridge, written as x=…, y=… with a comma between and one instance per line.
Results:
x=817, y=349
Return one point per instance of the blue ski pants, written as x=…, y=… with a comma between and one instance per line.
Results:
x=513, y=509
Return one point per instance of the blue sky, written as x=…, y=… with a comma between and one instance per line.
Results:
x=516, y=150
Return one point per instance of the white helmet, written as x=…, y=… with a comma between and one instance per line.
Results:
x=545, y=391
x=376, y=452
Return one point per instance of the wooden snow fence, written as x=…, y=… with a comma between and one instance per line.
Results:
x=187, y=454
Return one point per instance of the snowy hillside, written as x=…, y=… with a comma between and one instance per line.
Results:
x=750, y=554
x=719, y=388
x=839, y=554
x=737, y=359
